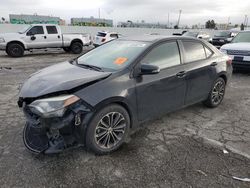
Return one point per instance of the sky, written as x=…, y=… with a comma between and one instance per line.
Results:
x=153, y=11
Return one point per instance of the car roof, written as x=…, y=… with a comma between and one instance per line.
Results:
x=155, y=38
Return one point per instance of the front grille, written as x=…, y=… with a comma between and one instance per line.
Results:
x=238, y=52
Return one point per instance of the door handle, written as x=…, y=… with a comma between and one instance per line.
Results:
x=44, y=37
x=58, y=36
x=214, y=64
x=181, y=74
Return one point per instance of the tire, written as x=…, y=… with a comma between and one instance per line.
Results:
x=66, y=49
x=15, y=50
x=216, y=94
x=76, y=47
x=96, y=141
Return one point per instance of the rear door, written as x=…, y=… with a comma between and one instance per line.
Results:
x=200, y=65
x=163, y=92
x=53, y=37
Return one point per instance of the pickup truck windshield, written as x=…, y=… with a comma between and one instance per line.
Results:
x=223, y=34
x=114, y=55
x=242, y=37
x=23, y=30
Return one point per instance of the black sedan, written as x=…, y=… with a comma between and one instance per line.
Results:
x=222, y=38
x=97, y=99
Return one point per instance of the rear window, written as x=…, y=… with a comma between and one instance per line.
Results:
x=51, y=29
x=100, y=34
x=194, y=51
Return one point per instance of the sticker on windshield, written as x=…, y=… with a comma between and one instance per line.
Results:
x=120, y=60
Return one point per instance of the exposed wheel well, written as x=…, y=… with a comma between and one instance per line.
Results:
x=76, y=40
x=224, y=77
x=123, y=104
x=16, y=42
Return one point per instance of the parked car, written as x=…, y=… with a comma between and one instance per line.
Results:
x=222, y=38
x=97, y=99
x=42, y=36
x=104, y=37
x=197, y=34
x=239, y=50
x=179, y=34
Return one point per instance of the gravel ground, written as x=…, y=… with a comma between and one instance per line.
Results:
x=181, y=149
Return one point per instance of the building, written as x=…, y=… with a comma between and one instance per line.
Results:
x=142, y=24
x=101, y=22
x=34, y=19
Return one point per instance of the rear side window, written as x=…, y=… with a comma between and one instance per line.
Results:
x=194, y=51
x=36, y=30
x=165, y=55
x=51, y=29
x=99, y=34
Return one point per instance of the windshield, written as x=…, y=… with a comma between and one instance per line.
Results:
x=191, y=34
x=223, y=34
x=242, y=37
x=114, y=55
x=23, y=30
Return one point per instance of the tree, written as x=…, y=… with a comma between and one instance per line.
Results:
x=210, y=24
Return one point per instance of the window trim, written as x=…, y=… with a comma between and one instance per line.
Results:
x=195, y=41
x=161, y=43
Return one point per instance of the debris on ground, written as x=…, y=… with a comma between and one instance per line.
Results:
x=225, y=151
x=201, y=172
x=242, y=179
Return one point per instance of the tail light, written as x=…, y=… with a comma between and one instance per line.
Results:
x=229, y=61
x=103, y=40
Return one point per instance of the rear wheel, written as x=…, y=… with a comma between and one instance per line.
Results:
x=76, y=47
x=217, y=93
x=108, y=129
x=15, y=50
x=66, y=49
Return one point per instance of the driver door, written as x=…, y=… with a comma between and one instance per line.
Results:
x=160, y=93
x=36, y=38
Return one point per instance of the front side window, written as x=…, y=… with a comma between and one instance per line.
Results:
x=51, y=29
x=194, y=51
x=164, y=56
x=114, y=55
x=36, y=30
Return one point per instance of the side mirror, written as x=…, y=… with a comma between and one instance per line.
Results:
x=200, y=37
x=147, y=69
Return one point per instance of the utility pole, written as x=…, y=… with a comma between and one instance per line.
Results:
x=99, y=13
x=168, y=21
x=245, y=20
x=179, y=18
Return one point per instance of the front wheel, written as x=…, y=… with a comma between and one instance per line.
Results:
x=108, y=129
x=217, y=93
x=15, y=50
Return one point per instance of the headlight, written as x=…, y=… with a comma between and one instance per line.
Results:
x=223, y=51
x=2, y=40
x=54, y=106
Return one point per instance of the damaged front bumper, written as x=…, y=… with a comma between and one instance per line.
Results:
x=54, y=134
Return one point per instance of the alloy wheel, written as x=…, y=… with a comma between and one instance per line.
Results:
x=110, y=130
x=218, y=92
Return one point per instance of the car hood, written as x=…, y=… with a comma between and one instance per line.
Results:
x=237, y=46
x=60, y=77
x=9, y=35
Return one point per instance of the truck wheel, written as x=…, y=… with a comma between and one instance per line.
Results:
x=66, y=49
x=15, y=50
x=76, y=48
x=108, y=129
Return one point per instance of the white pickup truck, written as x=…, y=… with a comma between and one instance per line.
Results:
x=42, y=36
